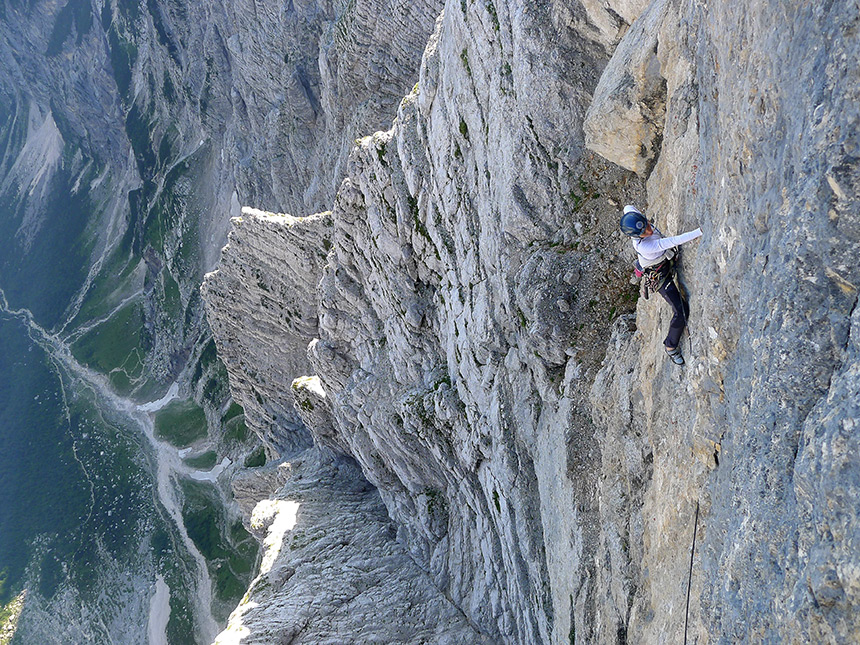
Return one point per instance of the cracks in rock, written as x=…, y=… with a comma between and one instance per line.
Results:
x=838, y=367
x=655, y=106
x=656, y=148
x=620, y=22
x=302, y=78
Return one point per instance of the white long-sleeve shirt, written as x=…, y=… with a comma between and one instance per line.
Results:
x=652, y=249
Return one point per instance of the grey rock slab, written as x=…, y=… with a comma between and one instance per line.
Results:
x=624, y=122
x=332, y=571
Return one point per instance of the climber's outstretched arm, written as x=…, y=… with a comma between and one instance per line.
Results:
x=654, y=245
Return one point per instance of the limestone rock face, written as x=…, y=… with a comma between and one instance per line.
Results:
x=328, y=524
x=482, y=357
x=267, y=282
x=624, y=122
x=258, y=484
x=468, y=289
x=753, y=143
x=307, y=80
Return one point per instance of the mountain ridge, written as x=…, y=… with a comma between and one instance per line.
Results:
x=482, y=357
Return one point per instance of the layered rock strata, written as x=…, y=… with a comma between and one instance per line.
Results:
x=332, y=572
x=452, y=325
x=482, y=358
x=268, y=277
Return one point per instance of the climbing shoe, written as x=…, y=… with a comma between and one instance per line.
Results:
x=675, y=355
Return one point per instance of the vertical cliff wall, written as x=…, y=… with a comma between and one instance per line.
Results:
x=481, y=355
x=759, y=147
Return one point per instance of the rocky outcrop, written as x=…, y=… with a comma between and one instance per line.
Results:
x=328, y=524
x=624, y=122
x=267, y=281
x=482, y=357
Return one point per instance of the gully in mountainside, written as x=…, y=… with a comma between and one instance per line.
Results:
x=656, y=265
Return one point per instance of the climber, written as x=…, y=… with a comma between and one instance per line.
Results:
x=656, y=265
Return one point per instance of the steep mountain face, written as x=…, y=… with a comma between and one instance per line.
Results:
x=770, y=171
x=156, y=116
x=130, y=131
x=476, y=348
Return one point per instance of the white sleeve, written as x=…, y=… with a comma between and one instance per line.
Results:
x=665, y=243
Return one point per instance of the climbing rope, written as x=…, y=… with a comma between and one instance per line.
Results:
x=690, y=579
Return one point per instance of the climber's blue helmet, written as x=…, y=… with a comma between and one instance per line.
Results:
x=633, y=223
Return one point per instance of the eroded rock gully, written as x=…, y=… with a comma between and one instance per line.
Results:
x=477, y=351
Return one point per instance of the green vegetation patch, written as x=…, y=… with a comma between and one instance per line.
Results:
x=170, y=137
x=123, y=54
x=171, y=224
x=256, y=458
x=168, y=89
x=208, y=357
x=181, y=623
x=586, y=193
x=230, y=551
x=138, y=128
x=129, y=9
x=9, y=615
x=117, y=280
x=235, y=428
x=202, y=520
x=181, y=423
x=206, y=461
x=494, y=16
x=233, y=411
x=115, y=344
x=172, y=296
x=464, y=57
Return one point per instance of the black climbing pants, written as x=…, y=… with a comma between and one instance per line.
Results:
x=682, y=310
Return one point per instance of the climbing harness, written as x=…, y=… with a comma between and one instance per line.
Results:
x=690, y=578
x=654, y=278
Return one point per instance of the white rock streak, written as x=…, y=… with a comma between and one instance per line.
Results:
x=155, y=406
x=211, y=475
x=280, y=515
x=159, y=614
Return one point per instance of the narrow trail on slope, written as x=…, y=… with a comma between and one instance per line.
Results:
x=169, y=465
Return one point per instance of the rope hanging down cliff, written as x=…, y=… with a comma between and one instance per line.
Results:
x=690, y=578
